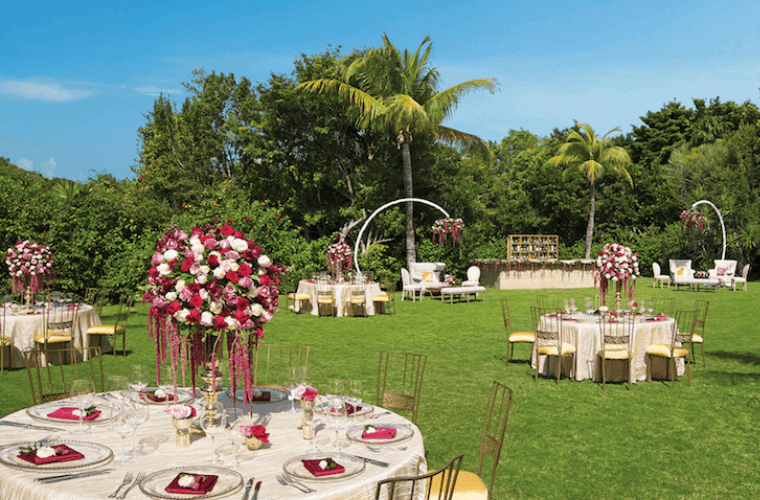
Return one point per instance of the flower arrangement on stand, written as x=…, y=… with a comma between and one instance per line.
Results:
x=616, y=263
x=693, y=220
x=31, y=267
x=202, y=287
x=339, y=258
x=442, y=227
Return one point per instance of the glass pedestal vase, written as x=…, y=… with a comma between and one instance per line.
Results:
x=618, y=298
x=183, y=425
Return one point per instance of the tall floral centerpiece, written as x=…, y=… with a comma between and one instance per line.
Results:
x=693, y=220
x=442, y=227
x=204, y=286
x=31, y=267
x=339, y=258
x=618, y=264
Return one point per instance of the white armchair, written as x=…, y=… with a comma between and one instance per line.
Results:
x=724, y=270
x=407, y=287
x=473, y=277
x=743, y=279
x=680, y=270
x=658, y=276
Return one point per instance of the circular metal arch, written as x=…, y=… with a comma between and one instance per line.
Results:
x=722, y=226
x=395, y=202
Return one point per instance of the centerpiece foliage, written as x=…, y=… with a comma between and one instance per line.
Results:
x=203, y=285
x=442, y=227
x=30, y=264
x=617, y=263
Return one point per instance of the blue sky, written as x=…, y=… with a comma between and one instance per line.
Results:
x=76, y=78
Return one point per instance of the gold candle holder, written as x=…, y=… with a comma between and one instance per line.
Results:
x=183, y=425
x=253, y=443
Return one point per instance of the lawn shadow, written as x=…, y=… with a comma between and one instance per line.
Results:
x=748, y=358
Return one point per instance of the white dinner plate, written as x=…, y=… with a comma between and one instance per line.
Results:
x=94, y=455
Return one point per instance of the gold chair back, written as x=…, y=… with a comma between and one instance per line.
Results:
x=494, y=426
x=664, y=306
x=399, y=381
x=96, y=297
x=325, y=296
x=118, y=327
x=49, y=382
x=548, y=302
x=615, y=340
x=443, y=481
x=271, y=364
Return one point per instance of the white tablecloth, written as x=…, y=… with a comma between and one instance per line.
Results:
x=583, y=333
x=340, y=292
x=23, y=328
x=285, y=442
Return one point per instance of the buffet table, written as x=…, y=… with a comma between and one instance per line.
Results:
x=157, y=439
x=22, y=328
x=339, y=291
x=582, y=331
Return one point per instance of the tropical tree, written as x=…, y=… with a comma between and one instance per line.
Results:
x=396, y=94
x=591, y=156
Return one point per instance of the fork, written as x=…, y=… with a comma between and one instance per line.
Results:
x=377, y=449
x=286, y=481
x=127, y=479
x=137, y=480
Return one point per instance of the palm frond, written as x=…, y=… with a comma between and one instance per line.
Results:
x=452, y=137
x=444, y=102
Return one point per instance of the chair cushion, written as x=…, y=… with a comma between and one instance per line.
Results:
x=615, y=354
x=53, y=337
x=471, y=283
x=551, y=350
x=522, y=337
x=697, y=339
x=105, y=330
x=299, y=296
x=326, y=300
x=382, y=298
x=469, y=487
x=663, y=350
x=680, y=271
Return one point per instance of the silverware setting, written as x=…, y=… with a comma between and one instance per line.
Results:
x=288, y=481
x=378, y=415
x=29, y=426
x=66, y=477
x=127, y=479
x=256, y=490
x=370, y=460
x=247, y=489
x=378, y=449
x=136, y=481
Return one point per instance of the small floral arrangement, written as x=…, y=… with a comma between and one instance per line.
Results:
x=442, y=227
x=39, y=449
x=616, y=262
x=339, y=257
x=305, y=393
x=257, y=431
x=449, y=280
x=30, y=264
x=327, y=464
x=180, y=411
x=701, y=274
x=693, y=220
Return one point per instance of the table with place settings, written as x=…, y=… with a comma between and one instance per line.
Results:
x=163, y=460
x=582, y=331
x=339, y=291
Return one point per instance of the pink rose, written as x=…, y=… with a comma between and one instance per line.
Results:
x=210, y=244
x=157, y=259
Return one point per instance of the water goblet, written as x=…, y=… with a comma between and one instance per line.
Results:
x=82, y=394
x=135, y=415
x=213, y=423
x=120, y=426
x=138, y=379
x=337, y=419
x=354, y=395
x=291, y=384
x=335, y=388
x=567, y=307
x=234, y=418
x=573, y=307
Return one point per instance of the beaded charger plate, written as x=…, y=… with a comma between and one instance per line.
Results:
x=183, y=396
x=228, y=482
x=403, y=432
x=40, y=412
x=275, y=396
x=95, y=455
x=352, y=465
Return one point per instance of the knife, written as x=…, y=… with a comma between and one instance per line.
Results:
x=55, y=479
x=256, y=490
x=372, y=461
x=248, y=489
x=29, y=426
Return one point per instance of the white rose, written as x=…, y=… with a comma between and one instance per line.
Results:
x=257, y=309
x=232, y=323
x=252, y=293
x=239, y=245
x=207, y=319
x=170, y=255
x=171, y=297
x=215, y=307
x=219, y=273
x=198, y=248
x=203, y=293
x=181, y=315
x=234, y=266
x=205, y=269
x=195, y=241
x=163, y=269
x=322, y=464
x=264, y=261
x=45, y=452
x=186, y=481
x=159, y=393
x=180, y=285
x=79, y=413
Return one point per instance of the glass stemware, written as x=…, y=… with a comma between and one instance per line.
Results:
x=135, y=415
x=234, y=418
x=291, y=384
x=354, y=395
x=337, y=419
x=314, y=425
x=120, y=426
x=138, y=379
x=82, y=394
x=213, y=424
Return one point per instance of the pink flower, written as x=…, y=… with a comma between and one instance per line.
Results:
x=305, y=393
x=157, y=259
x=257, y=431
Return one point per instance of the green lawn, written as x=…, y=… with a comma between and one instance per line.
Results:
x=574, y=440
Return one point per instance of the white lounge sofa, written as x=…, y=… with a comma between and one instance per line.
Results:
x=724, y=270
x=427, y=275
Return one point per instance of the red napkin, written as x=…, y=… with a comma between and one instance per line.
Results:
x=62, y=454
x=313, y=467
x=569, y=319
x=65, y=413
x=380, y=433
x=150, y=396
x=265, y=396
x=350, y=409
x=203, y=484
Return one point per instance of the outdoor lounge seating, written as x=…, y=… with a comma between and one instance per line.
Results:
x=683, y=274
x=743, y=279
x=427, y=275
x=724, y=270
x=658, y=276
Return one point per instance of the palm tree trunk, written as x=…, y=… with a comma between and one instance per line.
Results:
x=411, y=254
x=590, y=227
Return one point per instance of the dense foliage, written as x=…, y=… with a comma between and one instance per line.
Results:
x=294, y=170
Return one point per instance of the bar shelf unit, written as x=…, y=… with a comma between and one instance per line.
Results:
x=533, y=247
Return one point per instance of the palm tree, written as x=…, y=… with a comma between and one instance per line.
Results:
x=591, y=157
x=396, y=94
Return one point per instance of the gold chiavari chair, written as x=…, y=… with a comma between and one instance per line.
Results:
x=683, y=330
x=615, y=338
x=49, y=382
x=409, y=486
x=399, y=381
x=512, y=336
x=549, y=340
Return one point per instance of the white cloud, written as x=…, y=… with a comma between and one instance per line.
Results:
x=154, y=91
x=25, y=163
x=32, y=90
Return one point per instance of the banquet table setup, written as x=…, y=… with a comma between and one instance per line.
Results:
x=582, y=331
x=166, y=470
x=340, y=292
x=23, y=325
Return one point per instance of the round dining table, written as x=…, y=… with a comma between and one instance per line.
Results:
x=582, y=331
x=156, y=437
x=23, y=327
x=340, y=292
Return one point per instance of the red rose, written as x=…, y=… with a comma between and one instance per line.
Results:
x=196, y=301
x=153, y=272
x=173, y=308
x=186, y=264
x=227, y=230
x=242, y=303
x=232, y=276
x=239, y=235
x=241, y=316
x=213, y=260
x=194, y=316
x=264, y=279
x=219, y=323
x=244, y=270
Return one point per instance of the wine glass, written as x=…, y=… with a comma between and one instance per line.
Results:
x=213, y=423
x=567, y=307
x=234, y=418
x=290, y=385
x=573, y=307
x=354, y=394
x=337, y=419
x=120, y=426
x=135, y=415
x=336, y=388
x=138, y=379
x=82, y=394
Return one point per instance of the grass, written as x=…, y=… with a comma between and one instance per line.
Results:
x=574, y=440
